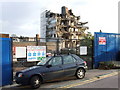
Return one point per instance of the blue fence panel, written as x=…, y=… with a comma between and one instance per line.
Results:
x=6, y=75
x=107, y=49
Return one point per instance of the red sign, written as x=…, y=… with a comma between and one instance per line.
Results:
x=102, y=40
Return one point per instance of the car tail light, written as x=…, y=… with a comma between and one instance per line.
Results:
x=85, y=63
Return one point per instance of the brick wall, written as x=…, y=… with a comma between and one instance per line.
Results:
x=50, y=45
x=23, y=44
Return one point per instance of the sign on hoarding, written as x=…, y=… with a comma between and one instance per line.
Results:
x=83, y=50
x=102, y=41
x=20, y=52
x=36, y=53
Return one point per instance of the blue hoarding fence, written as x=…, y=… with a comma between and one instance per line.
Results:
x=6, y=75
x=106, y=47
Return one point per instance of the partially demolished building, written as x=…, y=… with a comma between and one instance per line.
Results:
x=64, y=26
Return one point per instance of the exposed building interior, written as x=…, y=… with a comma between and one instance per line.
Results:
x=64, y=26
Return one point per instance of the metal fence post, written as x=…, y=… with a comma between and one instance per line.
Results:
x=76, y=46
x=57, y=48
x=92, y=54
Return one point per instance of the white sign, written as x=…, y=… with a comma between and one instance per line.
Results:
x=102, y=41
x=36, y=53
x=20, y=52
x=83, y=50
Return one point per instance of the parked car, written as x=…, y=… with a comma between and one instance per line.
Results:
x=51, y=68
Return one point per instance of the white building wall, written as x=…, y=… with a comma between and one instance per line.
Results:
x=43, y=26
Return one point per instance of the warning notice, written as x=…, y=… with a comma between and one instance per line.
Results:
x=36, y=53
x=102, y=40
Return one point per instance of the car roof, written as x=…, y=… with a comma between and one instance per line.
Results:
x=63, y=55
x=73, y=55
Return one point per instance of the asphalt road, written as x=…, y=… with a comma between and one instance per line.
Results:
x=104, y=81
x=109, y=82
x=93, y=79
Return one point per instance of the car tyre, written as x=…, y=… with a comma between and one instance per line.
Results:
x=80, y=73
x=35, y=82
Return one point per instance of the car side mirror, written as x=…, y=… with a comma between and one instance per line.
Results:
x=48, y=66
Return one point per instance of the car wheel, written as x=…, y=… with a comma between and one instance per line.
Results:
x=35, y=82
x=80, y=74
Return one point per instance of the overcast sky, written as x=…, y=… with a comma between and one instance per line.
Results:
x=22, y=17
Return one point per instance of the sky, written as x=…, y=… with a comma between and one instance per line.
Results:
x=22, y=17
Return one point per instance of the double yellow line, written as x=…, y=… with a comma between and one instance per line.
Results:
x=88, y=81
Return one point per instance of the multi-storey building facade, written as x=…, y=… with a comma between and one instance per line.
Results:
x=62, y=26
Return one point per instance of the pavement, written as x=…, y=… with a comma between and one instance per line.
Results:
x=93, y=73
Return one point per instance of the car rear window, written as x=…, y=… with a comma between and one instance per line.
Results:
x=77, y=57
x=68, y=59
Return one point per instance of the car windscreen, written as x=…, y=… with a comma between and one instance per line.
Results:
x=43, y=61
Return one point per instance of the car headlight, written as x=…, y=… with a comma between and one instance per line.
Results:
x=20, y=75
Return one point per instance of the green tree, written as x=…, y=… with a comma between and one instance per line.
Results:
x=88, y=41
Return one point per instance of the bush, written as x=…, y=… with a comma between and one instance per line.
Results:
x=106, y=65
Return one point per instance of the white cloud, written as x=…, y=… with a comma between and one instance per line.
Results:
x=24, y=17
x=29, y=26
x=101, y=14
